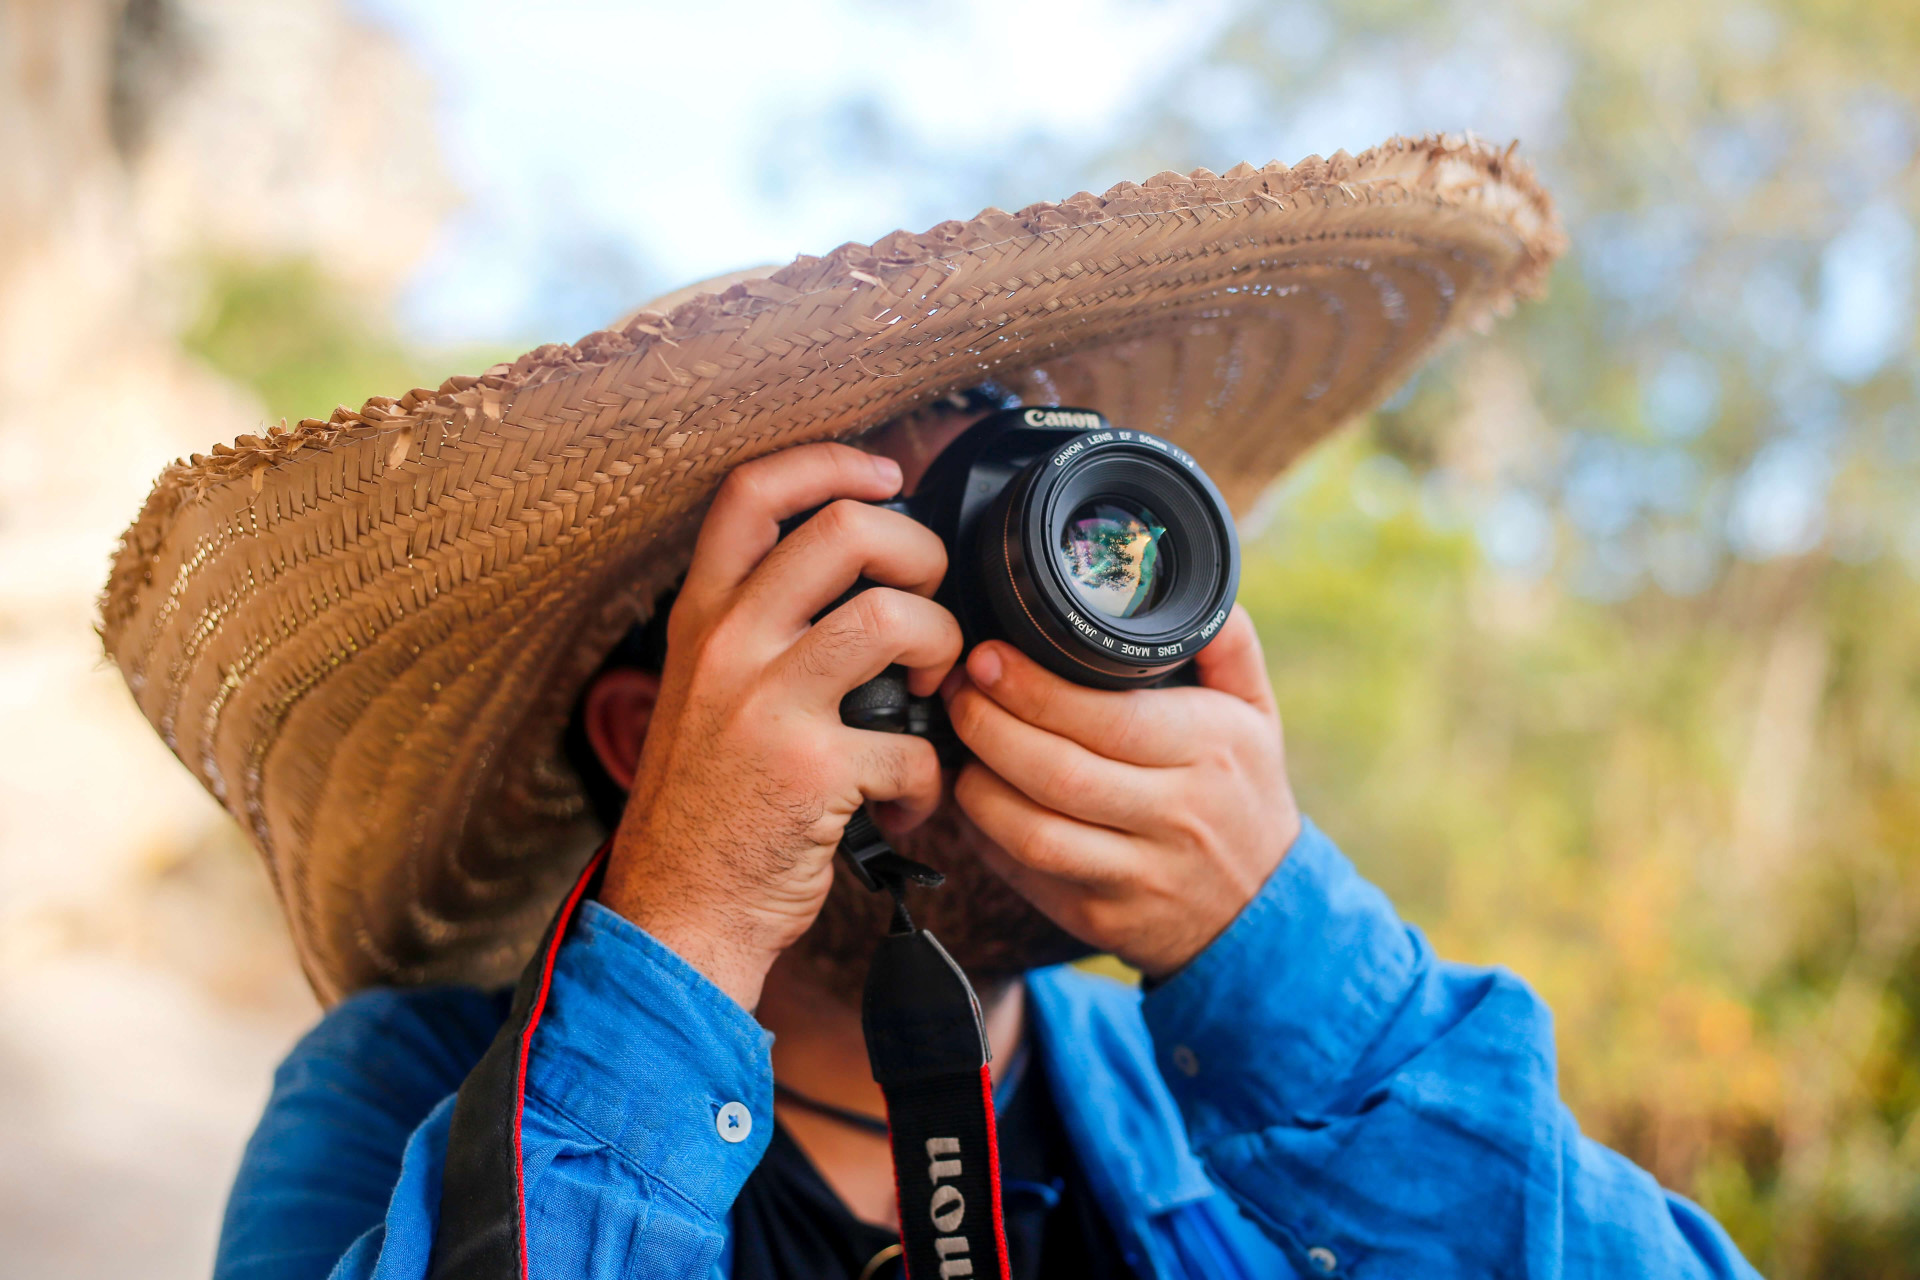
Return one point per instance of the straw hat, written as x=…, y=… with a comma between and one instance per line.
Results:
x=364, y=635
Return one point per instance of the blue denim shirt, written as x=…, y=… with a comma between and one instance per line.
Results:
x=1315, y=1094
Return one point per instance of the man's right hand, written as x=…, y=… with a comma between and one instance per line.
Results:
x=747, y=776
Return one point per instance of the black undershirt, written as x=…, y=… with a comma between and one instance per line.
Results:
x=789, y=1225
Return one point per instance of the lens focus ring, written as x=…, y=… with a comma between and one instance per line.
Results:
x=1111, y=560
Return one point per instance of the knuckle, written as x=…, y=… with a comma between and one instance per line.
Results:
x=744, y=487
x=928, y=545
x=844, y=456
x=886, y=772
x=910, y=767
x=1068, y=782
x=1187, y=828
x=881, y=611
x=1219, y=754
x=1036, y=697
x=801, y=759
x=966, y=787
x=842, y=519
x=722, y=645
x=828, y=646
x=951, y=640
x=924, y=763
x=705, y=672
x=966, y=713
x=1100, y=918
x=1247, y=747
x=1038, y=845
x=868, y=611
x=686, y=625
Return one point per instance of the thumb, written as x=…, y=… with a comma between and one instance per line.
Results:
x=1234, y=664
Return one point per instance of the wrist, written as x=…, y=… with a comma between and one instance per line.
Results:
x=1238, y=881
x=738, y=970
x=1282, y=1007
x=616, y=986
x=709, y=936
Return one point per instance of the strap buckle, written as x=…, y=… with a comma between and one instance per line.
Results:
x=876, y=864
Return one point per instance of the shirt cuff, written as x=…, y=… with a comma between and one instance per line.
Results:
x=642, y=1052
x=1269, y=1024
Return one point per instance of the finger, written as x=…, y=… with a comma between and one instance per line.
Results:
x=1041, y=842
x=743, y=523
x=897, y=770
x=1138, y=726
x=1054, y=772
x=842, y=542
x=862, y=638
x=1234, y=664
x=1055, y=896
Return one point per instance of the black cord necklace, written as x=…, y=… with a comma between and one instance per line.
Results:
x=860, y=1120
x=877, y=1125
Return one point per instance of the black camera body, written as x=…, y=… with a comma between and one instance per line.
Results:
x=1105, y=554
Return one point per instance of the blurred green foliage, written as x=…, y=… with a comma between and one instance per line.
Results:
x=1693, y=824
x=304, y=343
x=1600, y=646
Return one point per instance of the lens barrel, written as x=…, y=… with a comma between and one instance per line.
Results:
x=1111, y=560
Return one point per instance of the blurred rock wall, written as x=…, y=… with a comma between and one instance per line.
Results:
x=146, y=986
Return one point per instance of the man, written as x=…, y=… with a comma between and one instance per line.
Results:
x=1302, y=1089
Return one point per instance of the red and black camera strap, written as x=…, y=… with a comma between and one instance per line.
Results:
x=926, y=1043
x=482, y=1231
x=928, y=1049
x=927, y=1046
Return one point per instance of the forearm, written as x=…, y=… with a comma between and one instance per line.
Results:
x=625, y=1159
x=649, y=1102
x=1360, y=1097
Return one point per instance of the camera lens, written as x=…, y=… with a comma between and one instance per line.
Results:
x=1110, y=549
x=1110, y=559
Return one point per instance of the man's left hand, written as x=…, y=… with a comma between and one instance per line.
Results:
x=1140, y=821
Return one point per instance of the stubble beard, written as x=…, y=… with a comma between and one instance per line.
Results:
x=991, y=932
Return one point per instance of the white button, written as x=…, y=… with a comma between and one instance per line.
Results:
x=734, y=1122
x=1184, y=1060
x=1324, y=1260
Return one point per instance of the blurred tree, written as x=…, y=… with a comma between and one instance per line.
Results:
x=304, y=343
x=1598, y=647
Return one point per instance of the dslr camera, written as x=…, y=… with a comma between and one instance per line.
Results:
x=1103, y=553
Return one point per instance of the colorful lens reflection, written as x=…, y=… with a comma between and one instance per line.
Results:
x=1110, y=549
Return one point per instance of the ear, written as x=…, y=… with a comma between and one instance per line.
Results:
x=618, y=709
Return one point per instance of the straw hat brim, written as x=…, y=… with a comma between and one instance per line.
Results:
x=364, y=635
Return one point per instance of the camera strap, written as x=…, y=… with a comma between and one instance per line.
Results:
x=482, y=1227
x=927, y=1046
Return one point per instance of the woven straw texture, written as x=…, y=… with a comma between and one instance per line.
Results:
x=364, y=635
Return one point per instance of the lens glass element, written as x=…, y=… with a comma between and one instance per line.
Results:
x=1110, y=548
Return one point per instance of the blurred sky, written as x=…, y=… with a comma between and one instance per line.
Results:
x=1744, y=242
x=616, y=150
x=612, y=151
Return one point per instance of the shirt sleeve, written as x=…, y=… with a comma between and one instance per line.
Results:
x=1384, y=1113
x=322, y=1163
x=648, y=1103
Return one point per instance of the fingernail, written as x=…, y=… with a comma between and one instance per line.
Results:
x=984, y=666
x=886, y=468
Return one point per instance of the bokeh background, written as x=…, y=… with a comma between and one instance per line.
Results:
x=1599, y=645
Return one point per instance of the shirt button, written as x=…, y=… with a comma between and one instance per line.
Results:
x=1324, y=1260
x=734, y=1122
x=1184, y=1061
